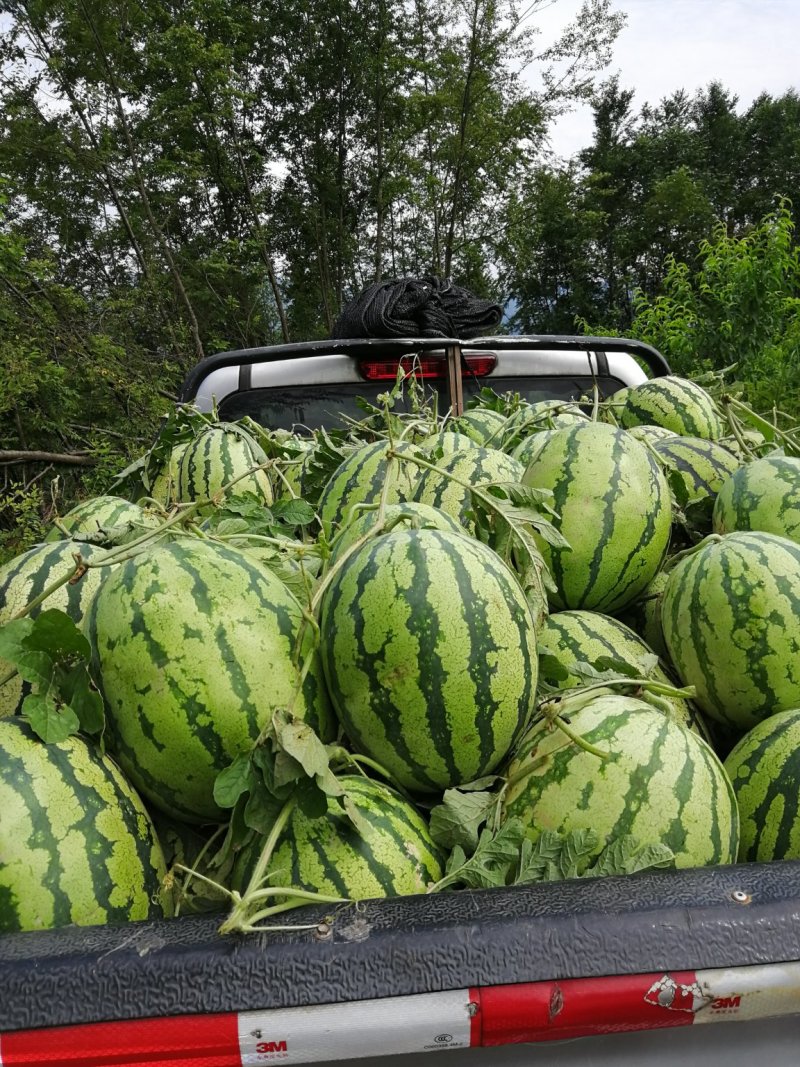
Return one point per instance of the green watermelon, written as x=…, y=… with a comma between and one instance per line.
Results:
x=483, y=425
x=164, y=486
x=446, y=442
x=296, y=476
x=763, y=495
x=102, y=513
x=429, y=649
x=215, y=458
x=650, y=434
x=674, y=403
x=193, y=643
x=76, y=844
x=359, y=479
x=731, y=618
x=540, y=417
x=661, y=782
x=702, y=466
x=613, y=507
x=328, y=855
x=572, y=637
x=27, y=576
x=473, y=466
x=754, y=440
x=397, y=516
x=764, y=768
x=530, y=447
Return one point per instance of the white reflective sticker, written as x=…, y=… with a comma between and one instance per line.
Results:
x=750, y=992
x=426, y=1022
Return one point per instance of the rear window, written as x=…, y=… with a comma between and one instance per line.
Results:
x=307, y=407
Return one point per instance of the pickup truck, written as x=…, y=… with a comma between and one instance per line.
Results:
x=633, y=967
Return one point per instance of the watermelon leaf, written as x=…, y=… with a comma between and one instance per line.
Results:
x=54, y=631
x=81, y=695
x=232, y=782
x=490, y=865
x=625, y=855
x=262, y=807
x=294, y=512
x=50, y=722
x=311, y=800
x=459, y=818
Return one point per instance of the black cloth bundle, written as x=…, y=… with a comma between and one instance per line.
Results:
x=417, y=307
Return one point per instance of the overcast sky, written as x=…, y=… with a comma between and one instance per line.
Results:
x=750, y=46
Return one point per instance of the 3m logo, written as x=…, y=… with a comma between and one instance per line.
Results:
x=726, y=1005
x=272, y=1048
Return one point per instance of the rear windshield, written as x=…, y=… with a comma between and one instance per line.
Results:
x=307, y=407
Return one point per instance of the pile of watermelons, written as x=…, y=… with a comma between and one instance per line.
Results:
x=534, y=642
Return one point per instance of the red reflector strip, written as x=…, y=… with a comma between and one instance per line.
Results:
x=385, y=370
x=427, y=1022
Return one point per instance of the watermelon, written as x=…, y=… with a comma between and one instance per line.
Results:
x=194, y=645
x=296, y=475
x=429, y=650
x=446, y=442
x=731, y=618
x=702, y=466
x=328, y=855
x=484, y=426
x=474, y=466
x=643, y=616
x=661, y=782
x=754, y=440
x=539, y=417
x=613, y=506
x=764, y=768
x=530, y=447
x=396, y=516
x=218, y=455
x=164, y=486
x=650, y=434
x=763, y=495
x=76, y=844
x=572, y=637
x=26, y=577
x=101, y=513
x=674, y=403
x=359, y=479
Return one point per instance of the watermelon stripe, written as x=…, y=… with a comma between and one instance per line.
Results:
x=763, y=495
x=674, y=403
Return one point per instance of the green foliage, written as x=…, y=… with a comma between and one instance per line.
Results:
x=739, y=305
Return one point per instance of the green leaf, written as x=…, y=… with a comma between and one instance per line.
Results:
x=295, y=512
x=552, y=667
x=262, y=807
x=556, y=856
x=286, y=770
x=12, y=637
x=47, y=720
x=363, y=827
x=55, y=633
x=625, y=855
x=232, y=782
x=610, y=665
x=80, y=694
x=458, y=819
x=299, y=740
x=311, y=800
x=490, y=865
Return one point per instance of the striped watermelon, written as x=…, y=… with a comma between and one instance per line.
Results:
x=26, y=577
x=643, y=616
x=530, y=447
x=76, y=844
x=296, y=475
x=674, y=403
x=217, y=456
x=763, y=495
x=754, y=440
x=661, y=782
x=572, y=637
x=359, y=479
x=397, y=516
x=429, y=650
x=731, y=617
x=543, y=415
x=613, y=507
x=103, y=513
x=483, y=425
x=764, y=768
x=703, y=466
x=447, y=441
x=164, y=486
x=329, y=856
x=194, y=643
x=650, y=434
x=474, y=466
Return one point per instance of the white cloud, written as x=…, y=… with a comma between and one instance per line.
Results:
x=748, y=45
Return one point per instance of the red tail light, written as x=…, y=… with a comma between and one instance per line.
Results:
x=385, y=370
